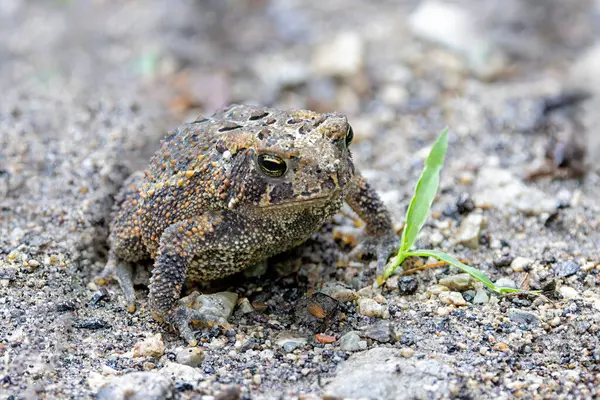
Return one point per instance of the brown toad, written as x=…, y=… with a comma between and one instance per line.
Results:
x=226, y=192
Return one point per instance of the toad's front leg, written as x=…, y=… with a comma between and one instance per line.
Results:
x=380, y=238
x=204, y=243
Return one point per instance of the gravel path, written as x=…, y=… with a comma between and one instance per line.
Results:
x=89, y=88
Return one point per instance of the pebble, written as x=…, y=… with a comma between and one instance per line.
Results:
x=437, y=289
x=568, y=292
x=523, y=317
x=339, y=291
x=481, y=297
x=498, y=188
x=470, y=230
x=245, y=307
x=192, y=356
x=137, y=386
x=407, y=352
x=506, y=282
x=457, y=283
x=152, y=346
x=290, y=340
x=216, y=306
x=520, y=264
x=371, y=308
x=257, y=379
x=346, y=46
x=454, y=298
x=181, y=373
x=564, y=269
x=351, y=342
x=381, y=332
x=407, y=285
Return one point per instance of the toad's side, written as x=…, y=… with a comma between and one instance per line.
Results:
x=227, y=192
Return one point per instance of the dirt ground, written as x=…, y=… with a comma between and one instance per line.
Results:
x=90, y=87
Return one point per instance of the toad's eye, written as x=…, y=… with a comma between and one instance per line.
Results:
x=272, y=165
x=349, y=136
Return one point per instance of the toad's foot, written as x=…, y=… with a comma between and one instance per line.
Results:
x=184, y=314
x=123, y=272
x=382, y=247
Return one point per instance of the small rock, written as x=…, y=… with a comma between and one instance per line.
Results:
x=371, y=308
x=152, y=346
x=470, y=230
x=407, y=285
x=192, y=356
x=257, y=379
x=454, y=298
x=523, y=317
x=506, y=282
x=520, y=264
x=181, y=373
x=245, y=307
x=566, y=268
x=568, y=292
x=339, y=291
x=457, y=283
x=500, y=189
x=503, y=347
x=290, y=340
x=351, y=342
x=343, y=56
x=381, y=332
x=385, y=373
x=437, y=289
x=407, y=352
x=137, y=386
x=481, y=297
x=216, y=306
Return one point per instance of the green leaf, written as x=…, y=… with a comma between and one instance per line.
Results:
x=474, y=272
x=425, y=192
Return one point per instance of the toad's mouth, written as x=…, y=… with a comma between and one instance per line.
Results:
x=305, y=202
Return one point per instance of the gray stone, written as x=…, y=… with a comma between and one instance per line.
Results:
x=566, y=268
x=351, y=342
x=290, y=340
x=385, y=373
x=523, y=317
x=506, y=282
x=380, y=332
x=470, y=231
x=481, y=297
x=216, y=306
x=137, y=386
x=192, y=356
x=181, y=373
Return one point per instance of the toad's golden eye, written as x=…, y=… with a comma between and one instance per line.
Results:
x=349, y=136
x=272, y=165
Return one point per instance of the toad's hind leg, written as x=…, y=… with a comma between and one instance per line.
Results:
x=207, y=240
x=125, y=240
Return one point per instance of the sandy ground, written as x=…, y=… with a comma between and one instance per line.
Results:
x=89, y=88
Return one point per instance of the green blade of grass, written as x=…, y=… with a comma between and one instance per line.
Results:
x=474, y=272
x=425, y=192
